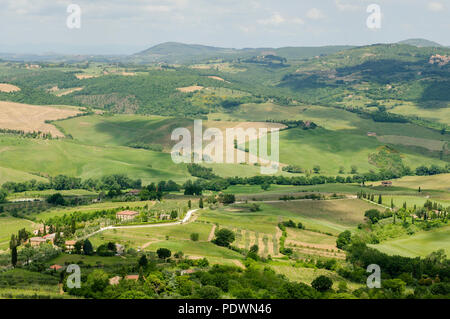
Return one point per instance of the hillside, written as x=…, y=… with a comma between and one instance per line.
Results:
x=420, y=43
x=174, y=52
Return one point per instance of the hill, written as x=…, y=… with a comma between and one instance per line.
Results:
x=174, y=52
x=420, y=43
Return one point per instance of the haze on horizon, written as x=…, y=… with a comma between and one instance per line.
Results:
x=129, y=26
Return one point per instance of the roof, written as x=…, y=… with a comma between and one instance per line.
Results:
x=37, y=239
x=49, y=236
x=132, y=277
x=127, y=213
x=70, y=242
x=56, y=267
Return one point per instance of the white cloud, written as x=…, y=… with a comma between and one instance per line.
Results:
x=342, y=5
x=315, y=14
x=297, y=21
x=275, y=19
x=435, y=6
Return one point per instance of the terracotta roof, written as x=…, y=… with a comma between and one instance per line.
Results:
x=37, y=239
x=132, y=277
x=127, y=213
x=56, y=267
x=70, y=242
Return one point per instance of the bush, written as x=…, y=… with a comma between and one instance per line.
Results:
x=163, y=253
x=194, y=236
x=322, y=283
x=224, y=237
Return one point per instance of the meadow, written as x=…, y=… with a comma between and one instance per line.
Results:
x=420, y=244
x=9, y=226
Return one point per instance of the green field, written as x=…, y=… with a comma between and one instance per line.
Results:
x=331, y=216
x=420, y=244
x=9, y=226
x=75, y=159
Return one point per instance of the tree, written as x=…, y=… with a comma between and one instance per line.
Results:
x=373, y=215
x=200, y=203
x=322, y=283
x=189, y=204
x=14, y=256
x=227, y=198
x=87, y=248
x=316, y=169
x=344, y=239
x=3, y=195
x=173, y=214
x=163, y=253
x=143, y=262
x=380, y=200
x=224, y=237
x=194, y=236
x=56, y=199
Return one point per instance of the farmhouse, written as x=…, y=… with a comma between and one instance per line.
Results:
x=386, y=183
x=70, y=245
x=56, y=267
x=50, y=238
x=164, y=216
x=371, y=134
x=132, y=277
x=126, y=215
x=36, y=241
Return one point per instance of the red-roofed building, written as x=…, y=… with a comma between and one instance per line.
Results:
x=126, y=215
x=56, y=267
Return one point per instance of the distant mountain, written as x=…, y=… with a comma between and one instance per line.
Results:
x=420, y=43
x=174, y=52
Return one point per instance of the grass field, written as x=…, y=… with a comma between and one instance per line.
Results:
x=9, y=174
x=435, y=182
x=420, y=244
x=72, y=158
x=176, y=238
x=10, y=225
x=331, y=216
x=307, y=275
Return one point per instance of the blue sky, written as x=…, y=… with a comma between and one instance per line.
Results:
x=127, y=26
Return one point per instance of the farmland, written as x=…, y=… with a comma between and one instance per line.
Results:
x=363, y=177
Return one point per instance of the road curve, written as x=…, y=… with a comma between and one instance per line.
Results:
x=185, y=219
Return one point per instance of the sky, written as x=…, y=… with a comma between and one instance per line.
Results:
x=129, y=26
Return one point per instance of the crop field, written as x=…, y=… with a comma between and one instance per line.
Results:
x=434, y=182
x=8, y=88
x=331, y=216
x=420, y=244
x=30, y=118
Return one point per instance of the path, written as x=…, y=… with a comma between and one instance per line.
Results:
x=298, y=200
x=211, y=234
x=185, y=219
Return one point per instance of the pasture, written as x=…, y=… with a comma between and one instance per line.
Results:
x=9, y=226
x=420, y=244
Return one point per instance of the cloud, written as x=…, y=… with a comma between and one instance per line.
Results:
x=435, y=6
x=344, y=6
x=275, y=19
x=297, y=21
x=315, y=14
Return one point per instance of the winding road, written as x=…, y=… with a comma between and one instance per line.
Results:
x=184, y=220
